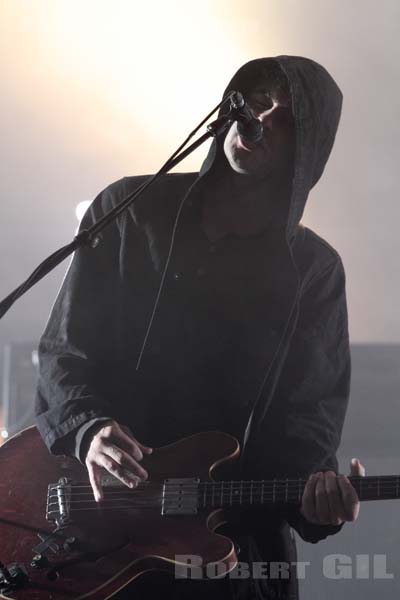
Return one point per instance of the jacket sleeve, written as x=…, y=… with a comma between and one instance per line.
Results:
x=316, y=380
x=84, y=435
x=304, y=424
x=81, y=336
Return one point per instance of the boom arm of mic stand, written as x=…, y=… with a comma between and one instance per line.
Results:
x=89, y=237
x=214, y=129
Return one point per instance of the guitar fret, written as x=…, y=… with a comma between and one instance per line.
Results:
x=237, y=494
x=274, y=491
x=376, y=487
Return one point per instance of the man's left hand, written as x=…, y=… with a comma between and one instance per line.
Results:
x=330, y=499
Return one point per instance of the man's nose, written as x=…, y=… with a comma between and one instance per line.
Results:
x=266, y=116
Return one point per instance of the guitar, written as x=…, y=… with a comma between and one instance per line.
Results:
x=57, y=542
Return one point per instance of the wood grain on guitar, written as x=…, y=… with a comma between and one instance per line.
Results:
x=57, y=542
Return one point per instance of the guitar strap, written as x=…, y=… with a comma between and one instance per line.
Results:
x=273, y=372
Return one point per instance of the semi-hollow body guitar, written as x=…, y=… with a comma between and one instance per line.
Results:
x=57, y=543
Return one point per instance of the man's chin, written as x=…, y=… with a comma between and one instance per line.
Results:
x=251, y=171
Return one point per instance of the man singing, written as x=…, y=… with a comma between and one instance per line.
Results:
x=208, y=306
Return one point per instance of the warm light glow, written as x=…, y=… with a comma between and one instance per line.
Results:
x=81, y=209
x=94, y=90
x=133, y=76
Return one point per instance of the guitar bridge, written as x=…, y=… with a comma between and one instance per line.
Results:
x=180, y=496
x=58, y=502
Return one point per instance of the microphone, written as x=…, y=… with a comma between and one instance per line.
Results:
x=249, y=128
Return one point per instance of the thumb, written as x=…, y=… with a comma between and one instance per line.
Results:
x=356, y=468
x=146, y=449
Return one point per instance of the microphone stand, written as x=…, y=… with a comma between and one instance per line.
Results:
x=89, y=237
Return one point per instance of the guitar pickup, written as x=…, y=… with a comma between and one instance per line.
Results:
x=180, y=496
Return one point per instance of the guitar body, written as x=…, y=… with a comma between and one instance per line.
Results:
x=102, y=547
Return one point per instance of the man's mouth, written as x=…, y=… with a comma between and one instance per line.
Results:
x=251, y=146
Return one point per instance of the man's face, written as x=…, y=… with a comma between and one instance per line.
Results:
x=273, y=155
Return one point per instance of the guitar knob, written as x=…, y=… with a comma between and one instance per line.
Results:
x=71, y=544
x=39, y=561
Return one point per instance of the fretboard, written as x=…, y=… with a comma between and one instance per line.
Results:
x=288, y=491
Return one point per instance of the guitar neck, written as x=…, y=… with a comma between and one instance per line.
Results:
x=288, y=491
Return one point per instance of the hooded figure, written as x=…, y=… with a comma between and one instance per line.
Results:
x=242, y=333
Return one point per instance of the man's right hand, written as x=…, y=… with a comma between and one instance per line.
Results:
x=114, y=448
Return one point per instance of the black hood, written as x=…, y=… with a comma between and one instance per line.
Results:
x=316, y=102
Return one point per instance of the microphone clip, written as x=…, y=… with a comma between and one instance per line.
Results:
x=250, y=128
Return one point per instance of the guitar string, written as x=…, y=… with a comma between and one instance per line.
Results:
x=147, y=505
x=210, y=503
x=220, y=493
x=218, y=488
x=160, y=486
x=282, y=480
x=224, y=497
x=366, y=481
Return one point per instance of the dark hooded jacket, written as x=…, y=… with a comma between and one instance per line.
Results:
x=248, y=336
